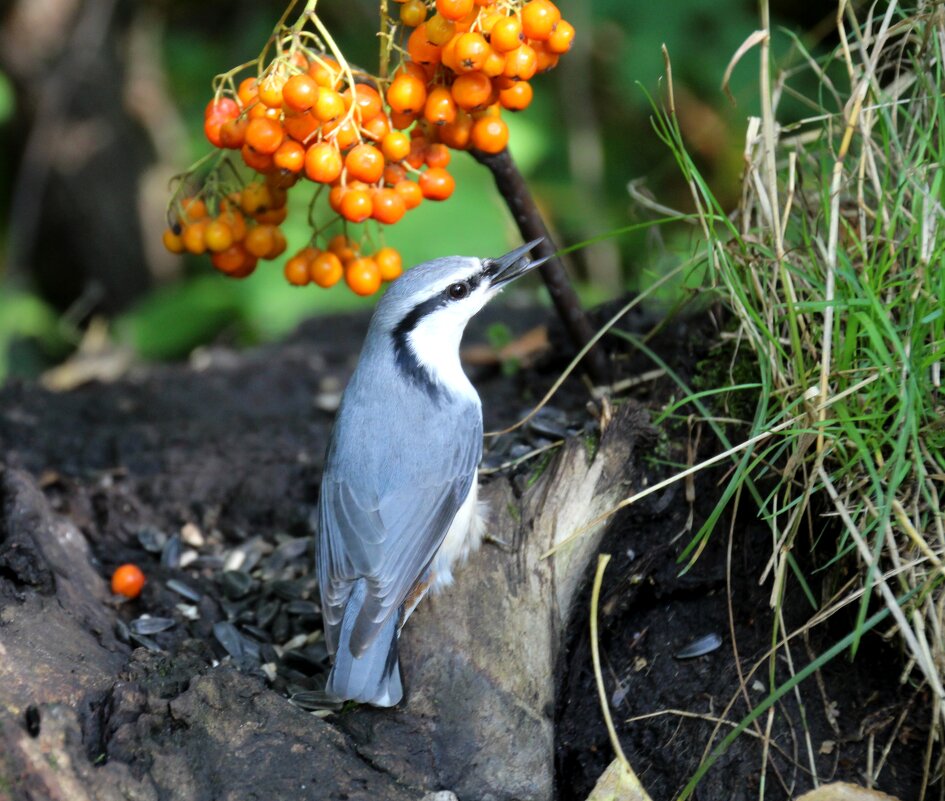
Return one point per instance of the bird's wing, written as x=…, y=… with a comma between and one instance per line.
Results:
x=386, y=533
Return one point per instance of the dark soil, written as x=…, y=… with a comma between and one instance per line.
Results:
x=130, y=463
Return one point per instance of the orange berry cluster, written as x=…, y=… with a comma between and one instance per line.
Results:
x=244, y=230
x=378, y=147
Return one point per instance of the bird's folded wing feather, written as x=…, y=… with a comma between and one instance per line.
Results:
x=386, y=532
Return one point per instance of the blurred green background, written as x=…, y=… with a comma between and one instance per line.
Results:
x=101, y=104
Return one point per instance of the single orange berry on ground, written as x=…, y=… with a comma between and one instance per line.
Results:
x=436, y=184
x=326, y=269
x=363, y=276
x=128, y=580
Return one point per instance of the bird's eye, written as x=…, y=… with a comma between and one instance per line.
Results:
x=458, y=291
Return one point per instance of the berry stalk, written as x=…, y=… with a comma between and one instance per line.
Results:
x=511, y=185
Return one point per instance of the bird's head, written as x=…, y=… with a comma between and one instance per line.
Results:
x=425, y=311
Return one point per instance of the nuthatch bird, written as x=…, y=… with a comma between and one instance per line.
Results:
x=398, y=503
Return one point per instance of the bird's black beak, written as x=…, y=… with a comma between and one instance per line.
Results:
x=513, y=265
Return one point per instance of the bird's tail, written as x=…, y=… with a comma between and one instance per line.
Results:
x=374, y=676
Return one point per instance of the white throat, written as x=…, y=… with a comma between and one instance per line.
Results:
x=435, y=343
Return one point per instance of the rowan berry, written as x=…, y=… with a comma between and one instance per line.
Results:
x=172, y=241
x=365, y=163
x=494, y=65
x=193, y=237
x=279, y=244
x=193, y=209
x=436, y=184
x=521, y=63
x=437, y=155
x=235, y=261
x=413, y=12
x=323, y=162
x=363, y=276
x=395, y=145
x=259, y=240
x=420, y=49
x=538, y=19
x=456, y=134
x=264, y=135
x=388, y=206
x=440, y=107
x=367, y=100
x=290, y=156
x=561, y=37
x=407, y=93
x=356, y=205
x=389, y=262
x=247, y=92
x=325, y=71
x=225, y=107
x=489, y=134
x=377, y=128
x=296, y=270
x=472, y=90
x=471, y=51
x=410, y=192
x=394, y=173
x=217, y=236
x=343, y=132
x=300, y=92
x=128, y=580
x=544, y=58
x=507, y=34
x=255, y=198
x=439, y=30
x=273, y=216
x=517, y=96
x=454, y=9
x=270, y=90
x=233, y=133
x=326, y=269
x=260, y=162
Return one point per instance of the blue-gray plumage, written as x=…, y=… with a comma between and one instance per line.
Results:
x=398, y=497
